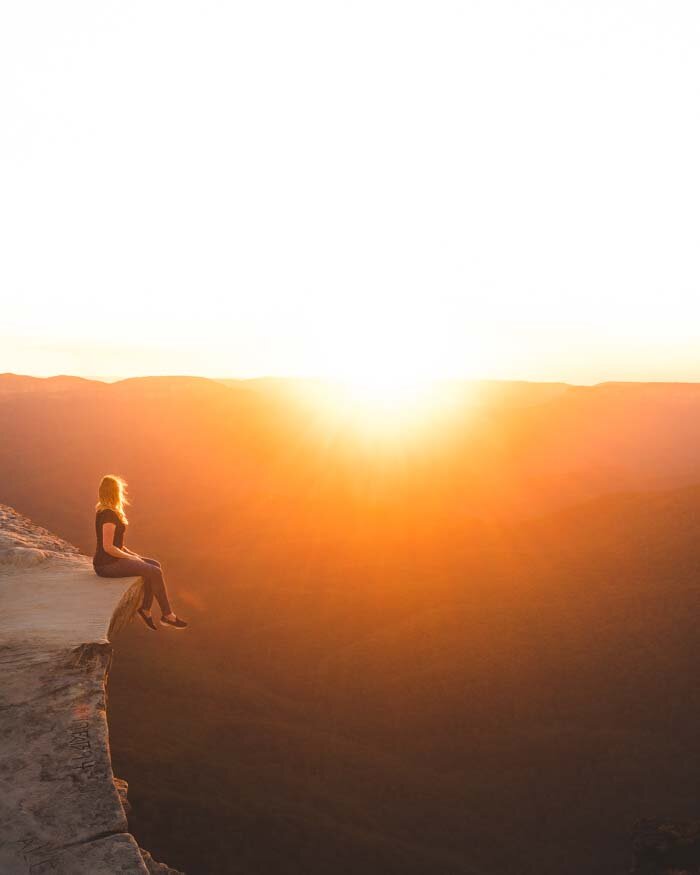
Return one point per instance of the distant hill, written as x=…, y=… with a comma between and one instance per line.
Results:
x=16, y=383
x=252, y=452
x=475, y=656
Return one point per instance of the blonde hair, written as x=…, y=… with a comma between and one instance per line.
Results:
x=112, y=495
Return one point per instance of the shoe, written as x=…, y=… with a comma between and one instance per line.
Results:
x=177, y=623
x=147, y=619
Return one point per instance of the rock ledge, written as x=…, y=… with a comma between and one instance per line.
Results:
x=60, y=810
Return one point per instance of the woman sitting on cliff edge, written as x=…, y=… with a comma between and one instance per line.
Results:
x=113, y=559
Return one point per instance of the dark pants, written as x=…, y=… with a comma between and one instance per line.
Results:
x=149, y=569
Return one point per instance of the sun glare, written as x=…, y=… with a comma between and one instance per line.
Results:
x=382, y=408
x=385, y=391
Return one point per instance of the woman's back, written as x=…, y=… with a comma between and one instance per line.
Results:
x=107, y=515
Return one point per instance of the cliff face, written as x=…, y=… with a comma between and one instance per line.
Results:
x=60, y=809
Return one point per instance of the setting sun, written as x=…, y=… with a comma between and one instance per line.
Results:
x=384, y=408
x=384, y=318
x=385, y=391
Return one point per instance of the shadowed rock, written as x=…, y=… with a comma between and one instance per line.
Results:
x=60, y=811
x=666, y=847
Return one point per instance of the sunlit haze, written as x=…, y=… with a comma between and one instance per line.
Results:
x=382, y=192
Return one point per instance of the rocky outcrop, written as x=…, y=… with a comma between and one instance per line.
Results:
x=61, y=810
x=666, y=847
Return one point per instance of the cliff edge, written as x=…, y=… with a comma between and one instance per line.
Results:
x=60, y=808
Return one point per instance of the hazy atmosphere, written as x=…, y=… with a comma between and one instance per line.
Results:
x=349, y=437
x=483, y=189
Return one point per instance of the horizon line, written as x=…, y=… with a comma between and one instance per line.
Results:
x=110, y=379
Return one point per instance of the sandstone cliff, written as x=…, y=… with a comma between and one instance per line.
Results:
x=61, y=810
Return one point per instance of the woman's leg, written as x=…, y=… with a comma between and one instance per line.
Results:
x=147, y=595
x=147, y=588
x=153, y=581
x=160, y=590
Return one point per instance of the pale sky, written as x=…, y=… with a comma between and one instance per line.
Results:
x=496, y=189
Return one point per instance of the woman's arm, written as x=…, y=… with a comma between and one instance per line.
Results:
x=108, y=545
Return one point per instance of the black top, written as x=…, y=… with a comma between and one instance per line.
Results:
x=107, y=515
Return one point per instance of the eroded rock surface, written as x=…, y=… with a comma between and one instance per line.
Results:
x=60, y=810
